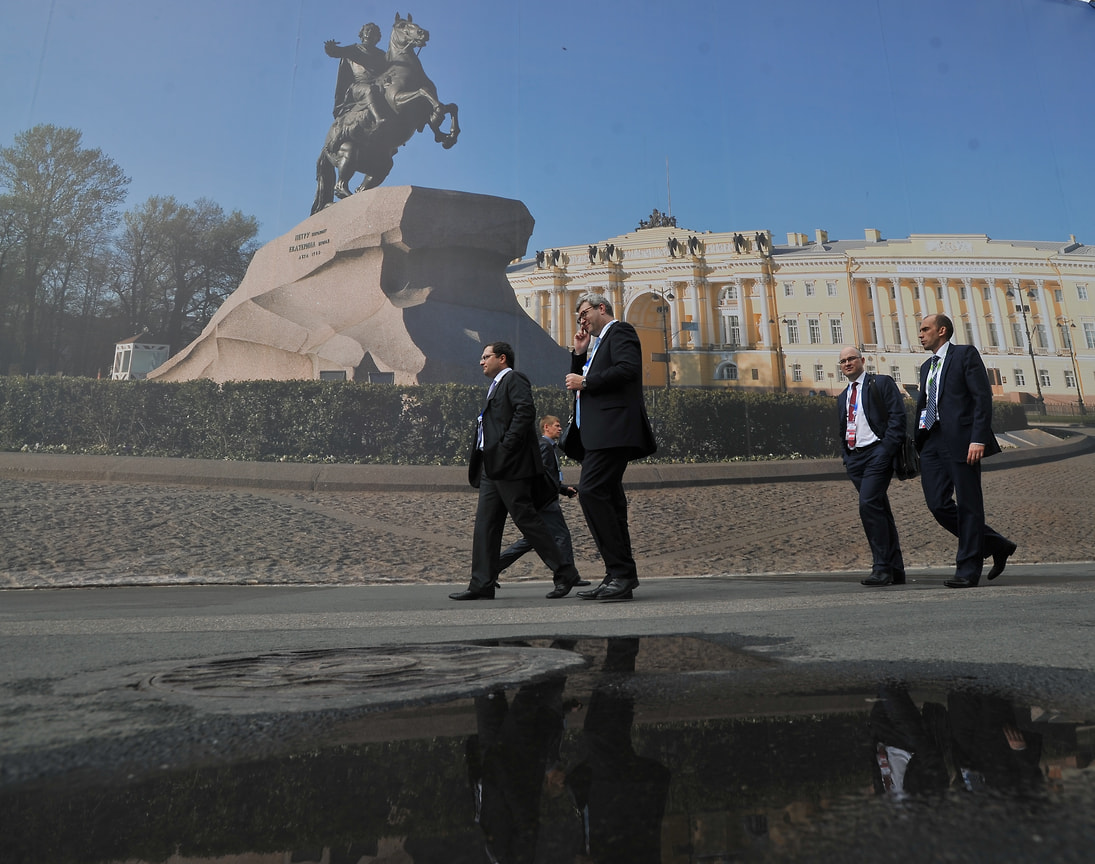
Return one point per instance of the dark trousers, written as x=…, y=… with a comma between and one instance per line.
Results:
x=552, y=514
x=952, y=491
x=871, y=471
x=601, y=494
x=497, y=498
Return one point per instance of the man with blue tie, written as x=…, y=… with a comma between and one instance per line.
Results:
x=505, y=467
x=953, y=435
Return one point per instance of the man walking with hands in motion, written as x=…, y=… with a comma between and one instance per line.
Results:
x=871, y=414
x=606, y=376
x=953, y=435
x=505, y=466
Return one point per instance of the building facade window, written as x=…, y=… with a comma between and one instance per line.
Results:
x=729, y=294
x=792, y=332
x=819, y=372
x=1081, y=292
x=1070, y=379
x=1020, y=378
x=1043, y=377
x=836, y=330
x=814, y=326
x=731, y=329
x=788, y=289
x=1040, y=340
x=809, y=289
x=796, y=372
x=1089, y=334
x=1058, y=295
x=895, y=373
x=896, y=333
x=830, y=289
x=727, y=372
x=754, y=374
x=1018, y=334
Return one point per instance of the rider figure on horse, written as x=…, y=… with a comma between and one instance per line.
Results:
x=359, y=69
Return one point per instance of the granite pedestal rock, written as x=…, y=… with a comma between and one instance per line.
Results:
x=401, y=280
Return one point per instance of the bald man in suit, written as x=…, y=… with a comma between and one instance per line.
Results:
x=953, y=435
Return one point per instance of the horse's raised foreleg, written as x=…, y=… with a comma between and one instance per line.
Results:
x=446, y=139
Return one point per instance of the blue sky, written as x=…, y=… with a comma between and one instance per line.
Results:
x=950, y=116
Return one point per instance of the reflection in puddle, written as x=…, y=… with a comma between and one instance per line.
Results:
x=654, y=752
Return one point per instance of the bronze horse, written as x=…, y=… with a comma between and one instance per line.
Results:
x=365, y=137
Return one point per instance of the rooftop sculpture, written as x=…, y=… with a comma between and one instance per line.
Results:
x=381, y=100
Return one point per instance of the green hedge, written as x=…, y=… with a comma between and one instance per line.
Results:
x=351, y=422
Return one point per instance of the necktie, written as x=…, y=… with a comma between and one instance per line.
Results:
x=479, y=430
x=931, y=411
x=585, y=370
x=851, y=416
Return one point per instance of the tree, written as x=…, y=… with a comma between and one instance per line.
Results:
x=58, y=205
x=177, y=263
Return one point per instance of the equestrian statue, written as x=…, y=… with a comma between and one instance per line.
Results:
x=381, y=100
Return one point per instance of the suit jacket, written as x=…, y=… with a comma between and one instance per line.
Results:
x=612, y=409
x=965, y=402
x=885, y=408
x=509, y=434
x=550, y=457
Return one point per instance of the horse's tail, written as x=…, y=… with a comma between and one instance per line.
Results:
x=325, y=183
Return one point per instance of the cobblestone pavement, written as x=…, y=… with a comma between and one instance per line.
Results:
x=55, y=534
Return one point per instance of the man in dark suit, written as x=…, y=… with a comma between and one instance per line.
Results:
x=953, y=435
x=871, y=425
x=505, y=466
x=551, y=513
x=606, y=375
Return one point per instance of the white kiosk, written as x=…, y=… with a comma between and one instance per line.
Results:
x=133, y=359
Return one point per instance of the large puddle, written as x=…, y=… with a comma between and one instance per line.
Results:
x=652, y=750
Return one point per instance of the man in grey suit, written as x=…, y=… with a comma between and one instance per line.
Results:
x=871, y=425
x=953, y=435
x=505, y=466
x=606, y=375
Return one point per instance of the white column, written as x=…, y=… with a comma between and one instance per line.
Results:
x=972, y=309
x=879, y=330
x=1017, y=299
x=997, y=318
x=903, y=330
x=765, y=328
x=1043, y=307
x=948, y=309
x=694, y=298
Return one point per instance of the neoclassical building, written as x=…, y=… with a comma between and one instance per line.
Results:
x=736, y=310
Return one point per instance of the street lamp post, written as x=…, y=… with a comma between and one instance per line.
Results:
x=1067, y=325
x=666, y=297
x=1022, y=308
x=779, y=352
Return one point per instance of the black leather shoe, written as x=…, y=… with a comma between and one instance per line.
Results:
x=961, y=583
x=560, y=591
x=581, y=583
x=487, y=594
x=617, y=589
x=592, y=593
x=880, y=579
x=1000, y=560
